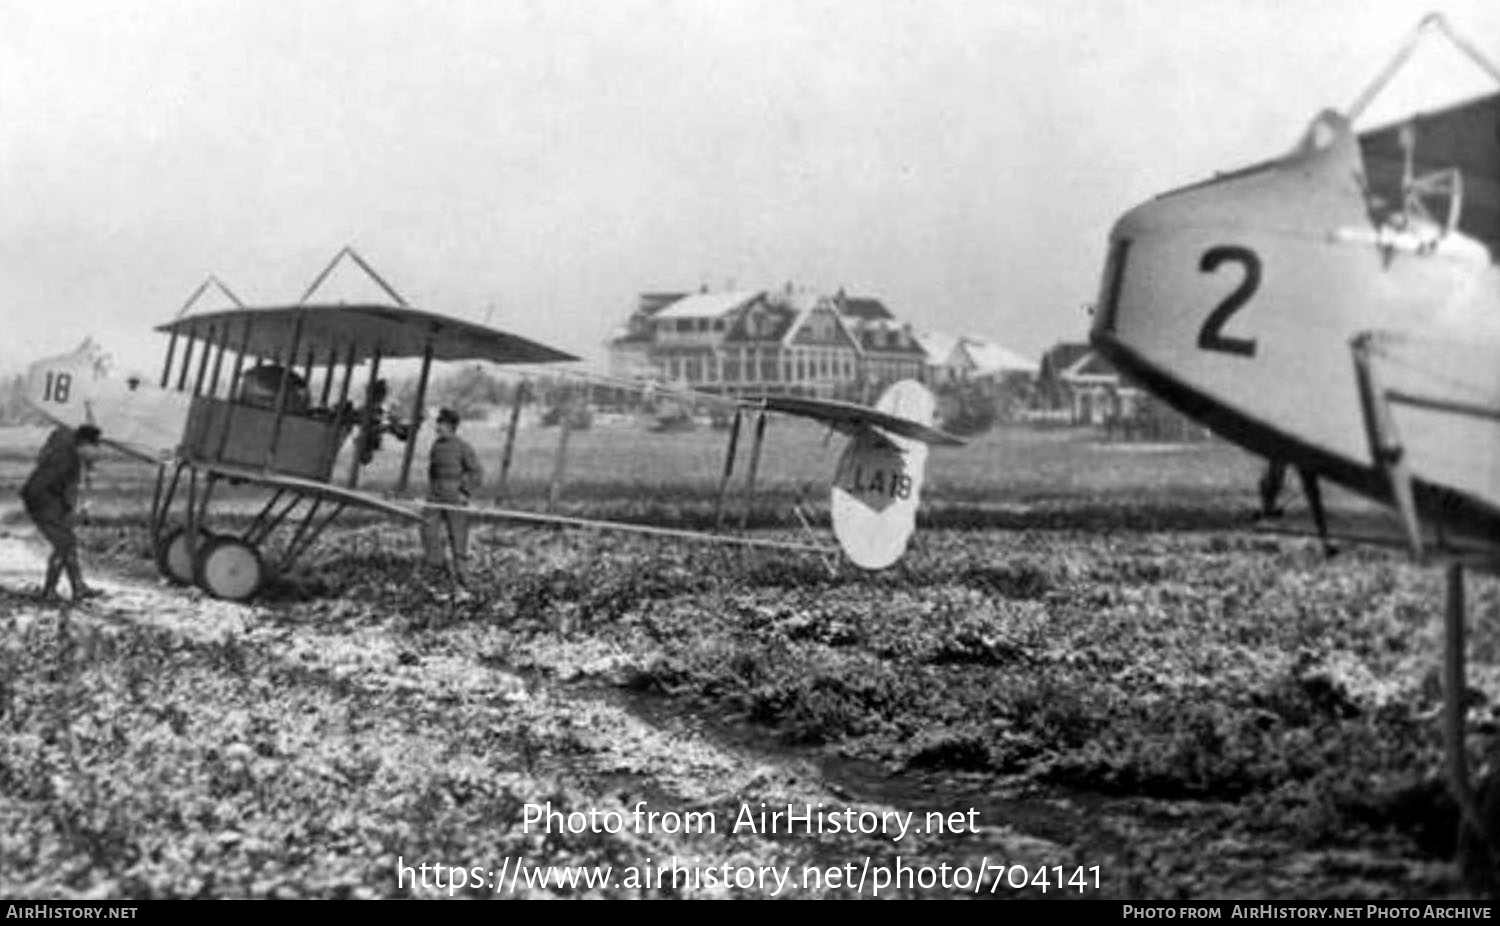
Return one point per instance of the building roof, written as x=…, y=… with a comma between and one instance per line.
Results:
x=773, y=321
x=651, y=303
x=938, y=346
x=1091, y=364
x=1078, y=361
x=990, y=357
x=877, y=339
x=623, y=335
x=707, y=305
x=1064, y=354
x=804, y=306
x=864, y=308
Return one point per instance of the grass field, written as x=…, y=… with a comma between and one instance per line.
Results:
x=996, y=480
x=1084, y=645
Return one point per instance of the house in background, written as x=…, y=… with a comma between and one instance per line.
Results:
x=1077, y=386
x=630, y=354
x=946, y=362
x=796, y=342
x=992, y=361
x=889, y=348
x=738, y=342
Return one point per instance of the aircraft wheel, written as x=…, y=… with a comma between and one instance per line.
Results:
x=230, y=568
x=173, y=560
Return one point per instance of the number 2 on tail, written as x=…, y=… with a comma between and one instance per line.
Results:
x=1210, y=336
x=57, y=388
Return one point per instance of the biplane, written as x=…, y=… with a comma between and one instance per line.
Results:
x=1338, y=308
x=236, y=404
x=260, y=396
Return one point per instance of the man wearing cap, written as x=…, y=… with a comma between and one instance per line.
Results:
x=51, y=495
x=453, y=474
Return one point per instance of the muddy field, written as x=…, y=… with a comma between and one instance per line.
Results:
x=1087, y=679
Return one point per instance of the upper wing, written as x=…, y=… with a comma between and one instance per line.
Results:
x=360, y=331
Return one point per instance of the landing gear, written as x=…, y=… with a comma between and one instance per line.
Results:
x=229, y=568
x=232, y=566
x=1315, y=502
x=174, y=558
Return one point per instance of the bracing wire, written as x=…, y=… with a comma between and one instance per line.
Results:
x=1430, y=22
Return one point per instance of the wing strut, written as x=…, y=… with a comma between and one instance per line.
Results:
x=416, y=417
x=518, y=399
x=729, y=454
x=560, y=461
x=1385, y=444
x=755, y=447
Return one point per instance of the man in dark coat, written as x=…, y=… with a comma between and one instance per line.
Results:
x=51, y=497
x=453, y=474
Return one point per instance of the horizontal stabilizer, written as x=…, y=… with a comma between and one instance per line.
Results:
x=849, y=417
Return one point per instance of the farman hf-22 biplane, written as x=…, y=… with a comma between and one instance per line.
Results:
x=261, y=396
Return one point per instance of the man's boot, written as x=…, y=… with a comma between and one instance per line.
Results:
x=81, y=591
x=54, y=572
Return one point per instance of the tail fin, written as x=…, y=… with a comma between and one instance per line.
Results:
x=61, y=388
x=136, y=416
x=878, y=483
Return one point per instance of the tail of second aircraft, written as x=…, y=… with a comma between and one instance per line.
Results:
x=134, y=415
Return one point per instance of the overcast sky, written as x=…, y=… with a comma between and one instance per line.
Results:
x=540, y=163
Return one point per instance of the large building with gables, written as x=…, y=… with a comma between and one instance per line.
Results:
x=786, y=342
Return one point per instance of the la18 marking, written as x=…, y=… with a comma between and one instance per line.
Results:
x=878, y=482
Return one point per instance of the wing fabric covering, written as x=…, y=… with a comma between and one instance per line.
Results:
x=361, y=331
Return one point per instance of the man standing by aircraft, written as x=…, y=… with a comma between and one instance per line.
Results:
x=51, y=496
x=453, y=473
